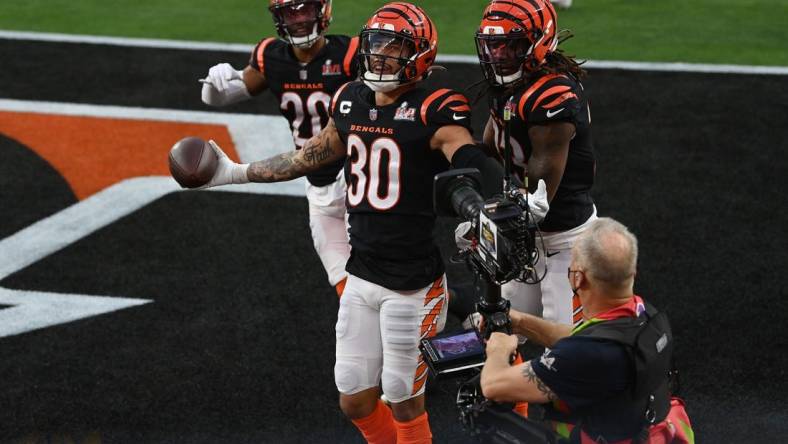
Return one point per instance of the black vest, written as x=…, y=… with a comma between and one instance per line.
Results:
x=649, y=343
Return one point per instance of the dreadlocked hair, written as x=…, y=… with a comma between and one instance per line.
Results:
x=559, y=62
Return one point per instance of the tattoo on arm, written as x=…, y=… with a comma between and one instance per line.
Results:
x=274, y=169
x=316, y=152
x=529, y=374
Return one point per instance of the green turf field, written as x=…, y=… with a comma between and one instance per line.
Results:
x=708, y=31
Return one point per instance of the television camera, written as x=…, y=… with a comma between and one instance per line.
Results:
x=503, y=233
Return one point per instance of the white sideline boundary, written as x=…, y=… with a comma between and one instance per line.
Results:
x=447, y=58
x=34, y=310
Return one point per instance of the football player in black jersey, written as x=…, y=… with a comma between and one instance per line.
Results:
x=303, y=69
x=395, y=133
x=550, y=137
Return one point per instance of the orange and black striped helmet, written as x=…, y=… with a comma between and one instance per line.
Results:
x=514, y=38
x=399, y=34
x=301, y=22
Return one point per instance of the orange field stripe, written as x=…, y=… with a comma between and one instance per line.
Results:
x=93, y=153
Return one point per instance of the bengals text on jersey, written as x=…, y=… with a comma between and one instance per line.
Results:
x=389, y=172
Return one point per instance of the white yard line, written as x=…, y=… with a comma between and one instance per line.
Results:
x=33, y=310
x=447, y=58
x=255, y=137
x=126, y=41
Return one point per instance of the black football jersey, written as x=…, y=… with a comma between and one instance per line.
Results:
x=546, y=99
x=304, y=91
x=389, y=172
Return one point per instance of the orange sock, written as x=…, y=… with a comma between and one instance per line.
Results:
x=340, y=287
x=378, y=427
x=415, y=431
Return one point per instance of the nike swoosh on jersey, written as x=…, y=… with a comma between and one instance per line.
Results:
x=456, y=117
x=552, y=113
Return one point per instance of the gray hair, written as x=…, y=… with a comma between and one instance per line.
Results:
x=608, y=252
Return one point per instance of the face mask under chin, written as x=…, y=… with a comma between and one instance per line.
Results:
x=383, y=87
x=381, y=83
x=306, y=41
x=504, y=80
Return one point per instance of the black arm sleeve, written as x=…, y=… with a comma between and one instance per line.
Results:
x=473, y=156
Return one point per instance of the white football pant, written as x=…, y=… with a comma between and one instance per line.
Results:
x=328, y=222
x=552, y=298
x=378, y=332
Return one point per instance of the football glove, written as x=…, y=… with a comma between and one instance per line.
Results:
x=227, y=171
x=537, y=201
x=223, y=85
x=463, y=235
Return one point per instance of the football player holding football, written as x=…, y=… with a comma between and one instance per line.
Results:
x=395, y=132
x=550, y=136
x=303, y=68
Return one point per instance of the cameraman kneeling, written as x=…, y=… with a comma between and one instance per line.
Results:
x=588, y=376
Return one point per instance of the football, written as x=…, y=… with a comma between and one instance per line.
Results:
x=192, y=162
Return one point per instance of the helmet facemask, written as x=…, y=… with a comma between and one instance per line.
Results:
x=520, y=32
x=299, y=23
x=504, y=58
x=387, y=59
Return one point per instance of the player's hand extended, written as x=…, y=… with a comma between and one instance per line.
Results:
x=227, y=171
x=220, y=76
x=537, y=201
x=501, y=345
